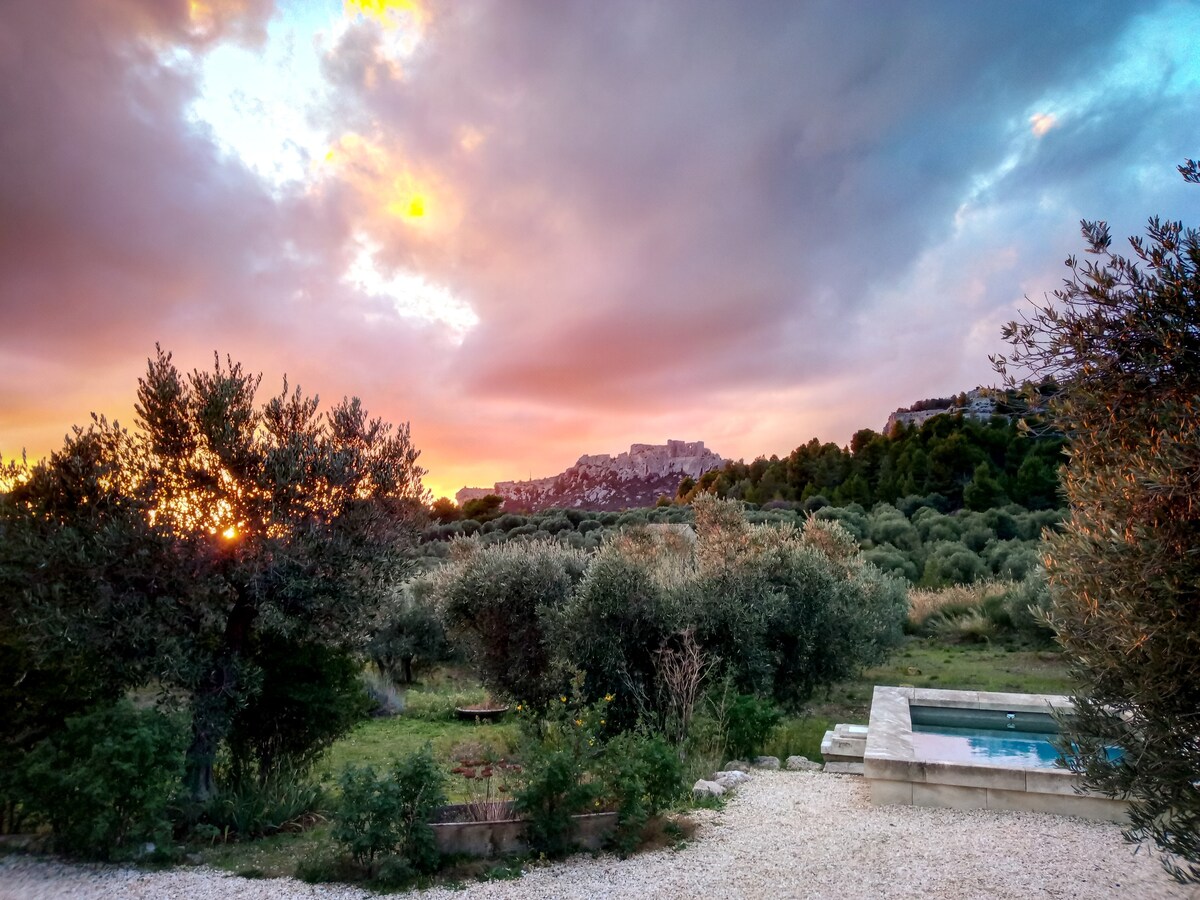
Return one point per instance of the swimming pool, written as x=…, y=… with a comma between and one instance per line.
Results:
x=973, y=750
x=984, y=735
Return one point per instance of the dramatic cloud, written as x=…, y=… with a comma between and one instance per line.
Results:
x=537, y=230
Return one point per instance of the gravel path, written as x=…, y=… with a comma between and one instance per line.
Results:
x=785, y=834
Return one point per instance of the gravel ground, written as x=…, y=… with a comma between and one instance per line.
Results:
x=785, y=834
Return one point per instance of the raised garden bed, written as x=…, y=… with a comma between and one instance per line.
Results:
x=458, y=836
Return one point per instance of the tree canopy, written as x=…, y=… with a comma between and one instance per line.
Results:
x=1122, y=336
x=161, y=555
x=970, y=463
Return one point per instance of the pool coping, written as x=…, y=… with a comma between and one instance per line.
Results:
x=898, y=776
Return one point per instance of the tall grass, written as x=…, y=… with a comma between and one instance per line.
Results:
x=927, y=607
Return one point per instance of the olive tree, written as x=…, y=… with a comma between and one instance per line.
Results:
x=163, y=555
x=1122, y=337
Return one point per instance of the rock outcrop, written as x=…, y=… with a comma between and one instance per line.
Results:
x=602, y=482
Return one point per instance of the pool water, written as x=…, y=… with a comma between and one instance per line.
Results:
x=1028, y=749
x=1019, y=738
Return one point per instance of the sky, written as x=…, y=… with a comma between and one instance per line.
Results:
x=540, y=229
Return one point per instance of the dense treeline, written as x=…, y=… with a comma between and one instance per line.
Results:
x=972, y=464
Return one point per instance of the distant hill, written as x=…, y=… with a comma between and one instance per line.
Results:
x=602, y=482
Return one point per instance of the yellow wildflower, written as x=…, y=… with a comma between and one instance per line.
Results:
x=608, y=698
x=579, y=721
x=601, y=721
x=562, y=699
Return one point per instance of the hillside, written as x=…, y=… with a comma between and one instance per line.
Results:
x=632, y=479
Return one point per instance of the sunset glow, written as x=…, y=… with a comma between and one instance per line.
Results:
x=388, y=13
x=535, y=231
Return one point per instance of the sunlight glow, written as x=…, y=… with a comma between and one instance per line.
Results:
x=255, y=103
x=386, y=182
x=388, y=13
x=229, y=533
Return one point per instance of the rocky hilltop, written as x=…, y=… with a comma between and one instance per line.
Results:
x=602, y=482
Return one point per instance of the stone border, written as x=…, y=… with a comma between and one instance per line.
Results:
x=897, y=776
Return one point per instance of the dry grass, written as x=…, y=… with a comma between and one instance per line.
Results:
x=924, y=604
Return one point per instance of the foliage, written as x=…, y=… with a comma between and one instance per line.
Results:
x=283, y=799
x=782, y=610
x=436, y=706
x=160, y=555
x=623, y=611
x=643, y=775
x=749, y=721
x=787, y=611
x=408, y=633
x=498, y=600
x=483, y=509
x=968, y=462
x=560, y=751
x=105, y=781
x=386, y=815
x=1122, y=336
x=900, y=539
x=308, y=697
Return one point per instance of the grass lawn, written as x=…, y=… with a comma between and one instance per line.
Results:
x=377, y=741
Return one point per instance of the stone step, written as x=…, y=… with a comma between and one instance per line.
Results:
x=844, y=768
x=845, y=743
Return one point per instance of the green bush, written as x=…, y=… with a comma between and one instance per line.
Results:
x=616, y=621
x=250, y=806
x=642, y=775
x=311, y=695
x=560, y=752
x=1029, y=605
x=387, y=815
x=105, y=781
x=498, y=599
x=749, y=722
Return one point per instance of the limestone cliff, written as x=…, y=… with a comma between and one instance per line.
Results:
x=632, y=479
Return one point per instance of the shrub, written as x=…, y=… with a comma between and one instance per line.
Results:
x=105, y=781
x=310, y=696
x=250, y=806
x=748, y=724
x=642, y=775
x=559, y=753
x=614, y=624
x=380, y=816
x=498, y=600
x=410, y=633
x=972, y=626
x=1029, y=607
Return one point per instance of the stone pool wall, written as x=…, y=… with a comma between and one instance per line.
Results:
x=897, y=775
